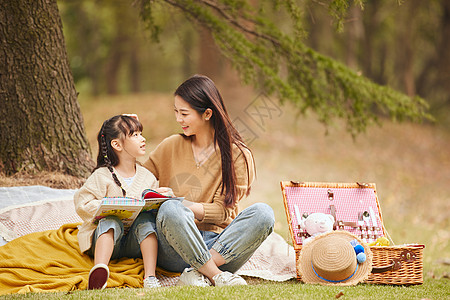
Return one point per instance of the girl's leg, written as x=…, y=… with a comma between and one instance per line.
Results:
x=104, y=248
x=141, y=241
x=236, y=244
x=149, y=250
x=105, y=244
x=106, y=240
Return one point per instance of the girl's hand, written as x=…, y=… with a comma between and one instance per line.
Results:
x=166, y=191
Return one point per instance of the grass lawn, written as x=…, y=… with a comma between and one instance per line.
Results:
x=410, y=164
x=431, y=289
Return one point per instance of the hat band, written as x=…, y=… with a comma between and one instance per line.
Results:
x=333, y=280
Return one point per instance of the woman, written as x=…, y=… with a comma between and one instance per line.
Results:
x=209, y=165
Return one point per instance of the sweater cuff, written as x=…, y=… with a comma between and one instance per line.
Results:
x=214, y=213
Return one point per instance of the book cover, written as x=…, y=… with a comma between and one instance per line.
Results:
x=127, y=209
x=153, y=199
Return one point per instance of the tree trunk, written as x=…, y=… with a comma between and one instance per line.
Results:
x=405, y=50
x=354, y=34
x=40, y=119
x=118, y=48
x=113, y=64
x=210, y=63
x=134, y=69
x=443, y=67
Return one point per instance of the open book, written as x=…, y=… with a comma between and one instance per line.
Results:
x=127, y=209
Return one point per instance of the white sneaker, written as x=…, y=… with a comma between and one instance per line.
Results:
x=227, y=278
x=151, y=282
x=98, y=276
x=193, y=277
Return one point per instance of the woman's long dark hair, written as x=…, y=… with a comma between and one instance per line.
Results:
x=201, y=93
x=114, y=128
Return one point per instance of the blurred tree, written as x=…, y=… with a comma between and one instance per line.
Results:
x=279, y=62
x=42, y=127
x=105, y=45
x=123, y=48
x=41, y=123
x=374, y=43
x=404, y=46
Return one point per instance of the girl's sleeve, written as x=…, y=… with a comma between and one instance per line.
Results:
x=152, y=181
x=88, y=198
x=216, y=212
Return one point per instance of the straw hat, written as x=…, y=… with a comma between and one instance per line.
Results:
x=330, y=259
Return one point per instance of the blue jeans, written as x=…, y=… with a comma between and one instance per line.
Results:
x=127, y=245
x=181, y=244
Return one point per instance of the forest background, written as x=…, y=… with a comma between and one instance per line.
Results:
x=118, y=67
x=403, y=45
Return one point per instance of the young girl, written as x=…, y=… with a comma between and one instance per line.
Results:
x=117, y=174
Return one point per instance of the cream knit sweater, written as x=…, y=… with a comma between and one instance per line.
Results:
x=101, y=184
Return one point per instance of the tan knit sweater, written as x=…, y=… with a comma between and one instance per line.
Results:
x=101, y=184
x=173, y=163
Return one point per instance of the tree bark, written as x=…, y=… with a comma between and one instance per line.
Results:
x=406, y=51
x=40, y=118
x=354, y=35
x=210, y=63
x=443, y=67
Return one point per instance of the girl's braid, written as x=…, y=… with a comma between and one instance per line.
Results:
x=108, y=164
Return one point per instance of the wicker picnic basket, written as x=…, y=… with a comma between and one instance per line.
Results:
x=396, y=265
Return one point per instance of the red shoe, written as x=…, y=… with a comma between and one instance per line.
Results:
x=98, y=276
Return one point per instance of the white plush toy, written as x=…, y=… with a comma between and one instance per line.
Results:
x=317, y=223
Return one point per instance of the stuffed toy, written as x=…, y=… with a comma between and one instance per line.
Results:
x=381, y=241
x=317, y=223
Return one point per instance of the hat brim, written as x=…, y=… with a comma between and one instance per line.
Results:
x=307, y=273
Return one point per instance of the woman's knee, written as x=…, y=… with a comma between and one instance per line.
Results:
x=173, y=212
x=263, y=215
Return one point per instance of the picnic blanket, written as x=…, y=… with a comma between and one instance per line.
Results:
x=51, y=261
x=41, y=252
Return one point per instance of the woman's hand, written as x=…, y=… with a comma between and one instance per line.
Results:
x=197, y=209
x=166, y=191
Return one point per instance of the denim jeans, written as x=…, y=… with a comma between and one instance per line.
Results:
x=181, y=244
x=127, y=245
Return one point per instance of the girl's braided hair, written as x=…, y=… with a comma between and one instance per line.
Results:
x=116, y=127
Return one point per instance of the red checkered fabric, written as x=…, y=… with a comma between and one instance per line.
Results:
x=347, y=201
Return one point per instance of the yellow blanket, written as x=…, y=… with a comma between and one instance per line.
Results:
x=51, y=261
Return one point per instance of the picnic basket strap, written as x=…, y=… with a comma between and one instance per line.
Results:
x=396, y=263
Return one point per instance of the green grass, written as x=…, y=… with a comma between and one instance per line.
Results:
x=410, y=164
x=431, y=289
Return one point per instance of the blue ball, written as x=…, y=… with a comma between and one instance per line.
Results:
x=361, y=257
x=359, y=249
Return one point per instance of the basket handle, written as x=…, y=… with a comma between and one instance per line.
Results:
x=405, y=256
x=395, y=265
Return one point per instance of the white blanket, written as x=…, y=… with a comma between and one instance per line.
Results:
x=28, y=209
